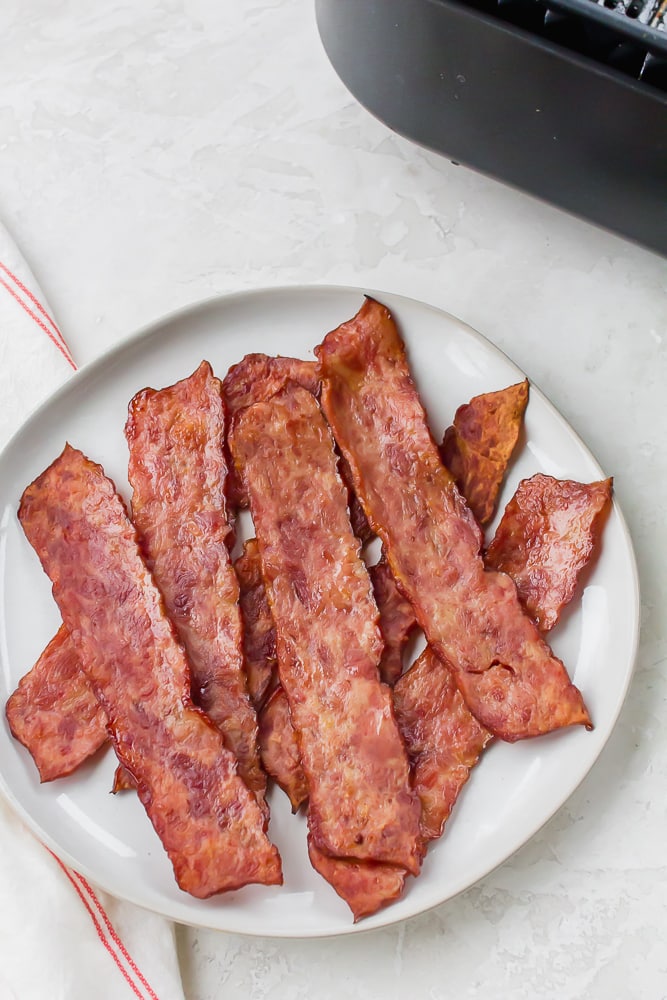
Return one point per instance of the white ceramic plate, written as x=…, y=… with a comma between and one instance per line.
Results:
x=514, y=790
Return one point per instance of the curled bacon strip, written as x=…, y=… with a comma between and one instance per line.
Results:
x=208, y=821
x=366, y=886
x=360, y=804
x=54, y=712
x=178, y=470
x=508, y=676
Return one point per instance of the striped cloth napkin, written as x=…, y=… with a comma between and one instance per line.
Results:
x=59, y=937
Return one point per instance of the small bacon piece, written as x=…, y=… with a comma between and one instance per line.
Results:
x=177, y=470
x=479, y=445
x=259, y=634
x=443, y=739
x=397, y=620
x=208, y=821
x=509, y=677
x=54, y=713
x=279, y=748
x=123, y=781
x=545, y=538
x=361, y=805
x=366, y=886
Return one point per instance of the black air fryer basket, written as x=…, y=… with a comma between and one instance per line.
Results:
x=566, y=99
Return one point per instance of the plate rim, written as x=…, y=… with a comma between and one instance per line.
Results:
x=384, y=918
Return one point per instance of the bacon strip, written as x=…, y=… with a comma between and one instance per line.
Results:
x=256, y=377
x=54, y=713
x=545, y=538
x=443, y=739
x=280, y=748
x=366, y=886
x=360, y=805
x=397, y=620
x=208, y=821
x=177, y=470
x=259, y=634
x=506, y=673
x=478, y=446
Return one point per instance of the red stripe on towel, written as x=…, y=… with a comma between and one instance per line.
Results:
x=33, y=298
x=103, y=938
x=112, y=931
x=49, y=333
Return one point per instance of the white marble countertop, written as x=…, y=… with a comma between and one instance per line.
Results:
x=157, y=153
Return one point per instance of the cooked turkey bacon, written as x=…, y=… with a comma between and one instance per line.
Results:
x=256, y=377
x=177, y=469
x=366, y=886
x=279, y=748
x=506, y=673
x=259, y=634
x=361, y=805
x=54, y=712
x=443, y=739
x=478, y=446
x=397, y=620
x=545, y=538
x=209, y=822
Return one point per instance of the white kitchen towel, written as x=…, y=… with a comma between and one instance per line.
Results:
x=60, y=938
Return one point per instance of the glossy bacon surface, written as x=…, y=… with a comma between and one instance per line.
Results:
x=397, y=620
x=259, y=634
x=256, y=377
x=506, y=673
x=280, y=749
x=177, y=469
x=478, y=446
x=208, y=821
x=545, y=538
x=360, y=805
x=443, y=739
x=54, y=712
x=366, y=886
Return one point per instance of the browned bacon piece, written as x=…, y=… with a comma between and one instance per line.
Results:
x=280, y=749
x=278, y=745
x=259, y=634
x=177, y=470
x=366, y=886
x=443, y=739
x=256, y=377
x=208, y=821
x=361, y=805
x=360, y=525
x=54, y=713
x=397, y=620
x=545, y=538
x=508, y=676
x=479, y=445
x=123, y=781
